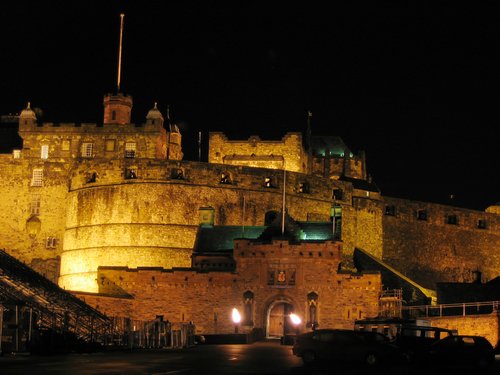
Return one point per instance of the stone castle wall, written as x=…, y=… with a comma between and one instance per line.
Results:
x=487, y=326
x=32, y=217
x=208, y=298
x=157, y=216
x=65, y=140
x=433, y=250
x=154, y=219
x=254, y=152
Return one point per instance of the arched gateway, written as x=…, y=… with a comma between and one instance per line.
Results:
x=277, y=317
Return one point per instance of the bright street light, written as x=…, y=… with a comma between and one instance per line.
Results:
x=295, y=319
x=236, y=319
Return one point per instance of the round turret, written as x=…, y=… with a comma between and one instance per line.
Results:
x=154, y=114
x=27, y=113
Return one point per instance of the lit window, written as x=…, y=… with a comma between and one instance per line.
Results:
x=304, y=187
x=16, y=154
x=268, y=182
x=51, y=243
x=110, y=145
x=130, y=173
x=66, y=145
x=225, y=178
x=87, y=149
x=37, y=177
x=44, y=154
x=35, y=205
x=130, y=150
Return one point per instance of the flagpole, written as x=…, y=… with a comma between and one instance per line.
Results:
x=243, y=220
x=333, y=218
x=199, y=146
x=284, y=201
x=120, y=53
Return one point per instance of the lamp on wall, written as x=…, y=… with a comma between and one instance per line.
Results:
x=236, y=316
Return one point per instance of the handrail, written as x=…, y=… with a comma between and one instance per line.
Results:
x=464, y=308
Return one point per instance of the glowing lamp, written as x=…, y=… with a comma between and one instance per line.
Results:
x=295, y=319
x=236, y=316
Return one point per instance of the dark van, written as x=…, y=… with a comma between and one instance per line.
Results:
x=370, y=348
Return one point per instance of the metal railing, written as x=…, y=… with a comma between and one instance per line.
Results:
x=454, y=309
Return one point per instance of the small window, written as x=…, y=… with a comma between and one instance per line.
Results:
x=37, y=177
x=270, y=278
x=66, y=145
x=390, y=210
x=338, y=194
x=268, y=182
x=130, y=148
x=87, y=149
x=110, y=145
x=177, y=174
x=225, y=178
x=16, y=154
x=92, y=177
x=113, y=115
x=452, y=219
x=35, y=205
x=130, y=173
x=44, y=152
x=304, y=188
x=482, y=224
x=51, y=243
x=422, y=215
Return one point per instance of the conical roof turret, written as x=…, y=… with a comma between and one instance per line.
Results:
x=154, y=113
x=27, y=113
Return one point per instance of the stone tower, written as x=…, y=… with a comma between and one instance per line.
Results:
x=117, y=109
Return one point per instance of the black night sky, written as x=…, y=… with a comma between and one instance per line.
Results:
x=415, y=86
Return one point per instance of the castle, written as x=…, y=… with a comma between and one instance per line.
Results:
x=112, y=213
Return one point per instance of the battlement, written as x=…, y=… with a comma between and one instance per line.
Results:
x=422, y=213
x=219, y=176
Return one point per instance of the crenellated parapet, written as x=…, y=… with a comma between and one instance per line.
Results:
x=431, y=242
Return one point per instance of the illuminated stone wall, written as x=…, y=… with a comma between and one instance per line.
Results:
x=152, y=220
x=362, y=226
x=207, y=298
x=254, y=152
x=487, y=326
x=432, y=250
x=30, y=215
x=65, y=140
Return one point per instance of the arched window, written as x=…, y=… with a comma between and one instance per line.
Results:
x=312, y=311
x=225, y=178
x=248, y=308
x=130, y=173
x=177, y=174
x=270, y=217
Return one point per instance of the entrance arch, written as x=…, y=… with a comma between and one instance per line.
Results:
x=277, y=317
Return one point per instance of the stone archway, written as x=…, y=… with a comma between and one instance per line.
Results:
x=277, y=317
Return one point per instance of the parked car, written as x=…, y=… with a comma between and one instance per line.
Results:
x=370, y=348
x=415, y=341
x=463, y=351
